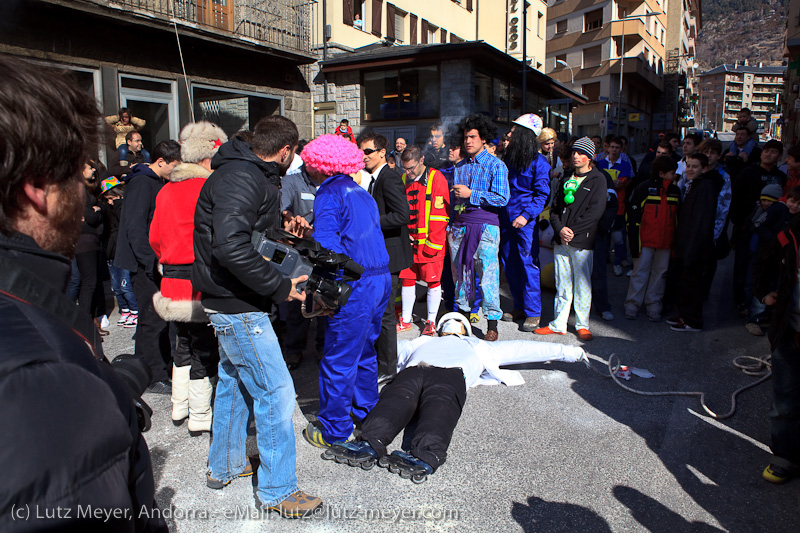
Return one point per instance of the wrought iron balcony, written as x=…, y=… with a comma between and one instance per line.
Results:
x=282, y=23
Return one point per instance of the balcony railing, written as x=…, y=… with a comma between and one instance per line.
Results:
x=284, y=23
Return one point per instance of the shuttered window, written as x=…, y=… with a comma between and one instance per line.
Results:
x=591, y=56
x=412, y=34
x=377, y=11
x=348, y=12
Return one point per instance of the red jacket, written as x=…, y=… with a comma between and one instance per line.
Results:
x=171, y=239
x=429, y=203
x=654, y=215
x=347, y=135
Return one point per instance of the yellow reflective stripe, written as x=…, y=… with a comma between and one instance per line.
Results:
x=435, y=246
x=437, y=217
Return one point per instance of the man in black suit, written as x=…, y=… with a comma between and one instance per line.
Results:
x=386, y=186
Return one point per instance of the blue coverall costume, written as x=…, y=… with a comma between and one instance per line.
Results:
x=519, y=248
x=346, y=221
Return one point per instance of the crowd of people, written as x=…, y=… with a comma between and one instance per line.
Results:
x=174, y=228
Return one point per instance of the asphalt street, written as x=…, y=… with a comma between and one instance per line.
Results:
x=567, y=451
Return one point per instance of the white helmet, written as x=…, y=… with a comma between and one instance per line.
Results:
x=449, y=320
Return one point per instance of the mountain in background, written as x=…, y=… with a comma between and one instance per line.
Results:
x=735, y=30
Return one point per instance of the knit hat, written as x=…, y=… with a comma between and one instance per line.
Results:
x=530, y=121
x=201, y=140
x=333, y=154
x=772, y=192
x=585, y=146
x=546, y=135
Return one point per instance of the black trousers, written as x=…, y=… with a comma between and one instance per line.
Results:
x=91, y=296
x=426, y=402
x=296, y=335
x=152, y=333
x=741, y=263
x=690, y=293
x=196, y=345
x=386, y=345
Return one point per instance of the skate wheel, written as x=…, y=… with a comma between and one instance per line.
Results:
x=419, y=478
x=383, y=462
x=352, y=462
x=327, y=455
x=369, y=465
x=394, y=469
x=405, y=475
x=340, y=460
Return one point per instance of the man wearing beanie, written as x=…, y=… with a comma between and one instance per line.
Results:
x=579, y=204
x=745, y=194
x=195, y=355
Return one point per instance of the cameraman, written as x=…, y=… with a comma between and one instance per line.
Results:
x=71, y=435
x=239, y=289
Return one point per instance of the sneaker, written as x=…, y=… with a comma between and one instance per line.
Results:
x=683, y=326
x=754, y=329
x=123, y=317
x=403, y=326
x=314, y=436
x=674, y=320
x=776, y=474
x=293, y=360
x=217, y=484
x=132, y=321
x=584, y=334
x=160, y=387
x=654, y=317
x=474, y=318
x=547, y=331
x=429, y=329
x=530, y=324
x=629, y=273
x=617, y=270
x=630, y=314
x=513, y=316
x=104, y=322
x=297, y=505
x=608, y=316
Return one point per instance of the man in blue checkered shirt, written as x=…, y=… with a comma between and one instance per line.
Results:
x=480, y=190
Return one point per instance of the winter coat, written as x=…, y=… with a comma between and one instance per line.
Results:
x=746, y=190
x=653, y=215
x=111, y=215
x=776, y=269
x=582, y=215
x=72, y=436
x=91, y=226
x=695, y=239
x=390, y=195
x=133, y=247
x=122, y=130
x=297, y=194
x=240, y=197
x=171, y=239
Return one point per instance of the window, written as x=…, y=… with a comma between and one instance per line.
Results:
x=591, y=91
x=217, y=13
x=591, y=56
x=233, y=111
x=592, y=20
x=501, y=96
x=483, y=93
x=401, y=94
x=432, y=34
x=399, y=25
x=561, y=26
x=560, y=57
x=540, y=25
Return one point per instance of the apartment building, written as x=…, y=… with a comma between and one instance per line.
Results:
x=427, y=45
x=614, y=53
x=726, y=89
x=684, y=20
x=174, y=61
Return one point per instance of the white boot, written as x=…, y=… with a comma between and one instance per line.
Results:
x=200, y=391
x=180, y=393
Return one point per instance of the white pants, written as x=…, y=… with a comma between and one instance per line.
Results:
x=648, y=281
x=573, y=286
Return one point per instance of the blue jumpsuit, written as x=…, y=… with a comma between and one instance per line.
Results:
x=346, y=221
x=519, y=248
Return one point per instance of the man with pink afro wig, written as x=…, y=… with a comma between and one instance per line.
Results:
x=346, y=221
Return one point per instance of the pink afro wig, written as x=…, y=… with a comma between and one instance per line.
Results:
x=332, y=154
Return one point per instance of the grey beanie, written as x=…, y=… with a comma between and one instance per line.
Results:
x=772, y=192
x=585, y=146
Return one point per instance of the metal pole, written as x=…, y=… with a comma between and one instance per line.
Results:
x=621, y=71
x=524, y=54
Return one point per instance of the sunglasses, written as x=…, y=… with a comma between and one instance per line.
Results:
x=368, y=151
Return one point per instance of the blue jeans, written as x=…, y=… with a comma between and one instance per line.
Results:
x=74, y=284
x=253, y=382
x=122, y=287
x=122, y=149
x=487, y=267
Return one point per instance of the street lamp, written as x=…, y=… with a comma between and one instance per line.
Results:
x=571, y=75
x=622, y=57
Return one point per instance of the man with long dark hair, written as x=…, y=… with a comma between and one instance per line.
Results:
x=480, y=188
x=529, y=183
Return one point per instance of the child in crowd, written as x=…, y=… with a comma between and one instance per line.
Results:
x=653, y=219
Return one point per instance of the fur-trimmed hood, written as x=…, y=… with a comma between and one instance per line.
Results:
x=179, y=310
x=187, y=171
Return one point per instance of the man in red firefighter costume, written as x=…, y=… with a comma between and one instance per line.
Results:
x=429, y=202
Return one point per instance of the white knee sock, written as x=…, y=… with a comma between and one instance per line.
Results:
x=434, y=299
x=409, y=295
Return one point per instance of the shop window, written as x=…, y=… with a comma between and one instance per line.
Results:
x=483, y=94
x=401, y=94
x=501, y=96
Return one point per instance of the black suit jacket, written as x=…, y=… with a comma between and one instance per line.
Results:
x=390, y=195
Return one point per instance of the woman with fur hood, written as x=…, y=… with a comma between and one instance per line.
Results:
x=196, y=354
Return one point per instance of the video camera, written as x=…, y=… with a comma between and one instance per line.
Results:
x=293, y=257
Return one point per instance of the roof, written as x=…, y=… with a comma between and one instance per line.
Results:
x=749, y=69
x=383, y=55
